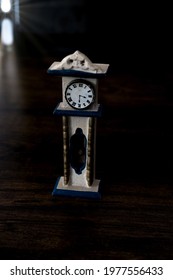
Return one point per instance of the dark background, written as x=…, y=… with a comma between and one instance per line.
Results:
x=133, y=219
x=128, y=35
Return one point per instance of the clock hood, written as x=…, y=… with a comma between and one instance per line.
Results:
x=77, y=64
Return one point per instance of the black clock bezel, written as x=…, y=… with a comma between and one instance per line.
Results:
x=88, y=83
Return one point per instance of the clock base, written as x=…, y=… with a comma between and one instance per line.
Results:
x=75, y=191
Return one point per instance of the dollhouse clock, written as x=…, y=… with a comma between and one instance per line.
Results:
x=79, y=110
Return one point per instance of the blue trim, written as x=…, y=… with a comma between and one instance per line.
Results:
x=75, y=73
x=82, y=113
x=71, y=193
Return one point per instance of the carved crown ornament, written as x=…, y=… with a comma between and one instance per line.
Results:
x=75, y=63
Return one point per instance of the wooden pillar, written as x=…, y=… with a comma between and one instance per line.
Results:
x=90, y=154
x=66, y=149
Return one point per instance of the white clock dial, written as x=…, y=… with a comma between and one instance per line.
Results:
x=79, y=94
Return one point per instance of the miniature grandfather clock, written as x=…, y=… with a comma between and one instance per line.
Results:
x=79, y=110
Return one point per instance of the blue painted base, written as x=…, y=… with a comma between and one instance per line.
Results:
x=69, y=191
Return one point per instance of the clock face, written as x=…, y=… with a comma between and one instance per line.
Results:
x=80, y=94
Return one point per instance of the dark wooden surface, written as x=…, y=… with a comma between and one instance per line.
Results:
x=134, y=160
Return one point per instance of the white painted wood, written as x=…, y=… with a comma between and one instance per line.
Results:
x=93, y=188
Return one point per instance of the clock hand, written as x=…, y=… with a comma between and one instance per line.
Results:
x=81, y=96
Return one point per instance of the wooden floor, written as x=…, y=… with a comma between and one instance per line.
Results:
x=134, y=160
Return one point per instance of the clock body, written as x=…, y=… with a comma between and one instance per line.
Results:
x=79, y=110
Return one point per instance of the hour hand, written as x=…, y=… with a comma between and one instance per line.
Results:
x=81, y=96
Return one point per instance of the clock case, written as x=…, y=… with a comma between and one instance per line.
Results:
x=79, y=138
